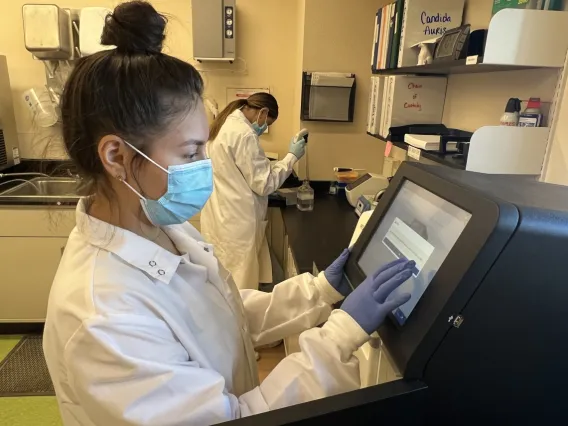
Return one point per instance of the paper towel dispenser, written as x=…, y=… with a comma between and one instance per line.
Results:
x=214, y=35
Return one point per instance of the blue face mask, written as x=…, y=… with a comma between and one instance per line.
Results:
x=189, y=187
x=260, y=129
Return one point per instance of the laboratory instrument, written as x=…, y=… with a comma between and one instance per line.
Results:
x=305, y=193
x=471, y=346
x=364, y=203
x=347, y=169
x=9, y=148
x=214, y=32
x=363, y=219
x=368, y=184
x=452, y=45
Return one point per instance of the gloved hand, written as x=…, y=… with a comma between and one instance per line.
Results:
x=334, y=274
x=297, y=147
x=369, y=304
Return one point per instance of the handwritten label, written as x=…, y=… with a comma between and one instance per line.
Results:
x=413, y=105
x=472, y=60
x=414, y=152
x=388, y=149
x=414, y=88
x=434, y=23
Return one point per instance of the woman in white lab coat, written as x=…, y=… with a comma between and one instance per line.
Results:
x=144, y=326
x=234, y=220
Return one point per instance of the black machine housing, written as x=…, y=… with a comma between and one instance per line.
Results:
x=504, y=361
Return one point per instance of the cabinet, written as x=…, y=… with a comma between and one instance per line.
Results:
x=29, y=265
x=32, y=241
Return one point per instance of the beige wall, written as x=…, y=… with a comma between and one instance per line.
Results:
x=268, y=34
x=337, y=37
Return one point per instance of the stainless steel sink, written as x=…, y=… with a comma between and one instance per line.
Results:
x=44, y=190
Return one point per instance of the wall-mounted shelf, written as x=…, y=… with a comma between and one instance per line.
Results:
x=496, y=150
x=508, y=150
x=448, y=160
x=449, y=68
x=517, y=39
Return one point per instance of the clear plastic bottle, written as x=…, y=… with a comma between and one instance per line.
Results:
x=305, y=197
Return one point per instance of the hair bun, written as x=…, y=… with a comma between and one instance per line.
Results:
x=135, y=27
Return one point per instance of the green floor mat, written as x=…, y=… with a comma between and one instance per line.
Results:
x=32, y=411
x=24, y=371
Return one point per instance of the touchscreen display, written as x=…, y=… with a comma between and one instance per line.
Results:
x=418, y=226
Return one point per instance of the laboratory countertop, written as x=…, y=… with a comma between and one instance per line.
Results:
x=319, y=237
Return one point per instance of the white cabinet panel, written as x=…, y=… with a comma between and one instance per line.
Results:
x=28, y=266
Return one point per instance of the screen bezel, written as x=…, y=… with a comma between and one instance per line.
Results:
x=376, y=225
x=403, y=341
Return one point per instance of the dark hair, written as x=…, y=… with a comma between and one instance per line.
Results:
x=133, y=91
x=258, y=100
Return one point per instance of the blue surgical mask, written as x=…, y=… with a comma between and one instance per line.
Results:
x=189, y=187
x=260, y=129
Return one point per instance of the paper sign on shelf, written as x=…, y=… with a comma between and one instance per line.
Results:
x=16, y=155
x=414, y=152
x=472, y=60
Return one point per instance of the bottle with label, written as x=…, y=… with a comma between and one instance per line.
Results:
x=511, y=115
x=531, y=116
x=305, y=197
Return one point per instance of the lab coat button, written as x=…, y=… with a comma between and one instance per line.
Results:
x=161, y=272
x=152, y=263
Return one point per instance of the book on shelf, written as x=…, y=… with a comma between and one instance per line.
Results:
x=392, y=10
x=396, y=35
x=527, y=4
x=423, y=20
x=401, y=100
x=375, y=95
x=387, y=28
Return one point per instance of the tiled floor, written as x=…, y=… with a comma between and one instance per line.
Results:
x=31, y=411
x=43, y=411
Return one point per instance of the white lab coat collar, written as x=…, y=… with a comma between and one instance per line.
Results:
x=238, y=115
x=139, y=252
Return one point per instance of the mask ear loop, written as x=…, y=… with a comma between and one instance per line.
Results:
x=145, y=156
x=121, y=179
x=266, y=120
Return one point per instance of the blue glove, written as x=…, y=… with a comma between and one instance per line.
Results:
x=334, y=274
x=369, y=304
x=297, y=147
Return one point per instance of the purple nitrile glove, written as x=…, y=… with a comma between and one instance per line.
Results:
x=368, y=304
x=334, y=274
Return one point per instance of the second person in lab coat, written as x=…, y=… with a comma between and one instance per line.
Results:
x=234, y=219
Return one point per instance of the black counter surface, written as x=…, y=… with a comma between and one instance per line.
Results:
x=321, y=235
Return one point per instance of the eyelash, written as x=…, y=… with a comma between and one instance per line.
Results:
x=190, y=156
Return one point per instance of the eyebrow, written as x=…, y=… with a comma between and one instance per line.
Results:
x=193, y=142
